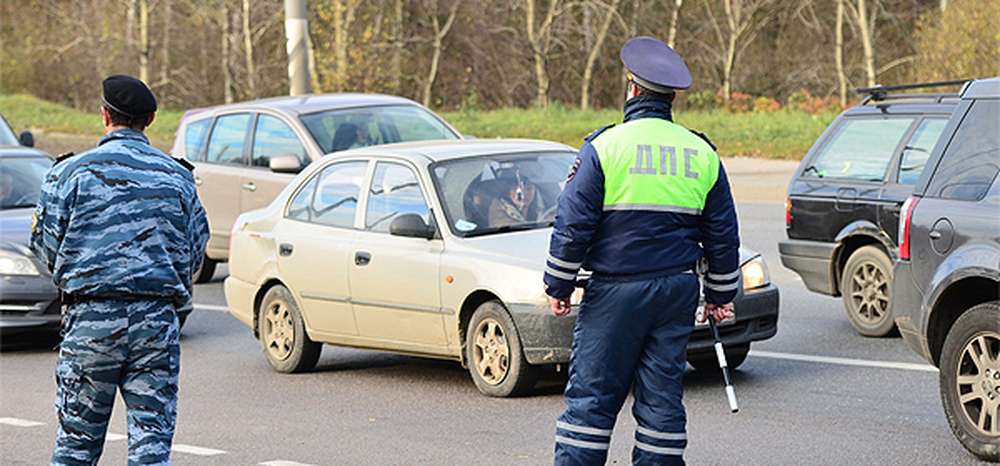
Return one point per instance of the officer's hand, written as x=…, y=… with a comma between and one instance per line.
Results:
x=559, y=306
x=719, y=312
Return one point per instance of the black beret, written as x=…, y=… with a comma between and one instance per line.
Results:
x=128, y=96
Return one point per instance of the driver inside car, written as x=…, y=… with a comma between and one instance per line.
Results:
x=516, y=203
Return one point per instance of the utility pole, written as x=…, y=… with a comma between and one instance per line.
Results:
x=296, y=35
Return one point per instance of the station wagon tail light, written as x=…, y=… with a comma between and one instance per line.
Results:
x=904, y=226
x=788, y=213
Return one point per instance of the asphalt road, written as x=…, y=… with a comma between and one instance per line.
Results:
x=365, y=407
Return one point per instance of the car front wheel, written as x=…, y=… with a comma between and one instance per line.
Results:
x=707, y=362
x=493, y=353
x=206, y=271
x=283, y=336
x=970, y=380
x=866, y=286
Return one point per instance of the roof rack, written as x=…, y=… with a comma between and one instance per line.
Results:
x=879, y=93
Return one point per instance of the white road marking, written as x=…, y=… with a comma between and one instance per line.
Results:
x=114, y=437
x=907, y=366
x=13, y=421
x=193, y=450
x=283, y=463
x=211, y=307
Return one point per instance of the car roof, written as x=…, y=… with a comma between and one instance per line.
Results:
x=912, y=104
x=441, y=150
x=982, y=89
x=298, y=105
x=21, y=152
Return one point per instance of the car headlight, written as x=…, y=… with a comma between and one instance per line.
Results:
x=16, y=264
x=755, y=274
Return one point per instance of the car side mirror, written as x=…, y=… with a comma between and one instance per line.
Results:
x=26, y=139
x=285, y=164
x=411, y=226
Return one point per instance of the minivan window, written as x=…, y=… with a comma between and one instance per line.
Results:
x=337, y=193
x=194, y=138
x=336, y=130
x=919, y=148
x=860, y=149
x=394, y=191
x=273, y=138
x=226, y=143
x=970, y=163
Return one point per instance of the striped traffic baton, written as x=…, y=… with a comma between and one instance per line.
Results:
x=721, y=354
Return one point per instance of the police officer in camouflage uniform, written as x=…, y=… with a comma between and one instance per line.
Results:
x=122, y=231
x=646, y=201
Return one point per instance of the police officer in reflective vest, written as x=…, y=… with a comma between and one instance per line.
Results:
x=122, y=231
x=644, y=203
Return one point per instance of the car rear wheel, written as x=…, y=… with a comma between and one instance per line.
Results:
x=707, y=362
x=493, y=353
x=866, y=286
x=282, y=332
x=970, y=380
x=206, y=271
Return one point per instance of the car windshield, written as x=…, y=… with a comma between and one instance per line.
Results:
x=7, y=137
x=336, y=130
x=21, y=181
x=499, y=193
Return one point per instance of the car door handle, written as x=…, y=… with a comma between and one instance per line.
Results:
x=197, y=181
x=362, y=258
x=250, y=186
x=934, y=234
x=285, y=249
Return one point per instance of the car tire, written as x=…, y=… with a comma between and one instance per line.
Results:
x=707, y=362
x=205, y=273
x=866, y=287
x=978, y=329
x=494, y=354
x=283, y=337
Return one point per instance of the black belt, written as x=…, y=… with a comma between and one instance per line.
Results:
x=633, y=277
x=70, y=299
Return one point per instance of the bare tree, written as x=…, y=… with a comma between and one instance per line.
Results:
x=595, y=49
x=227, y=70
x=440, y=32
x=248, y=51
x=398, y=44
x=839, y=54
x=864, y=22
x=674, y=18
x=144, y=40
x=540, y=40
x=743, y=24
x=344, y=12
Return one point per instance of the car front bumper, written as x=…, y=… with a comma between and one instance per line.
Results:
x=813, y=261
x=28, y=303
x=547, y=339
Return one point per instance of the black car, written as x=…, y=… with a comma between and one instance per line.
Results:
x=947, y=278
x=843, y=202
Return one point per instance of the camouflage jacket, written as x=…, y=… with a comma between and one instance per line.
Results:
x=123, y=219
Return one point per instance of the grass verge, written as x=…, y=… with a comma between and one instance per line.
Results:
x=783, y=134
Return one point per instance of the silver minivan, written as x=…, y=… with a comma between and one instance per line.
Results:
x=245, y=153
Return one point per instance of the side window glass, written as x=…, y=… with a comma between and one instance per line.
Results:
x=194, y=138
x=971, y=161
x=337, y=194
x=919, y=148
x=273, y=137
x=299, y=208
x=394, y=191
x=228, y=136
x=860, y=149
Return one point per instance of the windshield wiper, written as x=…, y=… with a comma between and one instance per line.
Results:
x=509, y=228
x=812, y=168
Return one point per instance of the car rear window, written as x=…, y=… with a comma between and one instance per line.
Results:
x=860, y=149
x=970, y=163
x=194, y=138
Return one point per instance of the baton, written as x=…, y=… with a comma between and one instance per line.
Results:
x=721, y=354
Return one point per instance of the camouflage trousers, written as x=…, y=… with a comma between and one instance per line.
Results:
x=132, y=346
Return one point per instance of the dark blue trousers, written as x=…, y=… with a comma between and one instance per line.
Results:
x=629, y=334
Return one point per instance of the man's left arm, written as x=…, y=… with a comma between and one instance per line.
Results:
x=578, y=215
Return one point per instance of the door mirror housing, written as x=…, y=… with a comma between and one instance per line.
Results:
x=285, y=164
x=411, y=226
x=26, y=139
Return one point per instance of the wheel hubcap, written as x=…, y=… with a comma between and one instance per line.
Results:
x=490, y=352
x=870, y=293
x=279, y=331
x=978, y=382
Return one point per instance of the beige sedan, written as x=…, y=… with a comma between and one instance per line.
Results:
x=434, y=249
